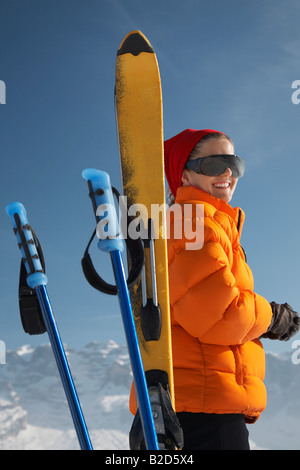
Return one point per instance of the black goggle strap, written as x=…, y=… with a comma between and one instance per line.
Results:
x=232, y=161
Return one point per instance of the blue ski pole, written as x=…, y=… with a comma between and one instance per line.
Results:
x=37, y=279
x=110, y=241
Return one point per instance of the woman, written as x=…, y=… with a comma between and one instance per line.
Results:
x=219, y=362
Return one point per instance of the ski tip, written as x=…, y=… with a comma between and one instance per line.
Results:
x=135, y=43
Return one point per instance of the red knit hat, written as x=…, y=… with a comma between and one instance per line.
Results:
x=177, y=151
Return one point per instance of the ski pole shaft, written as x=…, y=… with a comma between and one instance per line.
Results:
x=132, y=341
x=37, y=280
x=64, y=369
x=111, y=241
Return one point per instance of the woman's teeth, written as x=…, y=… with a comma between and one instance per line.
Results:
x=221, y=185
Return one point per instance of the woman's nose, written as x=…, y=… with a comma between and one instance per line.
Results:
x=227, y=172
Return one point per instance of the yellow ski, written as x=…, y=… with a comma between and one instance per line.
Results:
x=138, y=101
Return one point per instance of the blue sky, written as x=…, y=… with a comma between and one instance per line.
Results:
x=224, y=65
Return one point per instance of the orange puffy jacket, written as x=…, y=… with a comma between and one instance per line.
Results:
x=219, y=362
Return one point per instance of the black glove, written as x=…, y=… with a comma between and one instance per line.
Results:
x=285, y=322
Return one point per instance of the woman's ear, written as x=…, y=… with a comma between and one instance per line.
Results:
x=185, y=179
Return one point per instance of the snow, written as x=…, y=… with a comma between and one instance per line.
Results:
x=34, y=414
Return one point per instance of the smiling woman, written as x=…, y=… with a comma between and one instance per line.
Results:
x=216, y=317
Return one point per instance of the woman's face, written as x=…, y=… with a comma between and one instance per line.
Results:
x=219, y=186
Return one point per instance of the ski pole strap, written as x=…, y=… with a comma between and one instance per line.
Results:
x=30, y=311
x=135, y=250
x=32, y=270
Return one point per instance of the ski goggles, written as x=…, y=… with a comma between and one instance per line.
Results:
x=216, y=165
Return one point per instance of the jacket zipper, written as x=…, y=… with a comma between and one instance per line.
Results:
x=239, y=221
x=238, y=229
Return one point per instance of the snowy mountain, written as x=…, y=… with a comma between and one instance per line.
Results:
x=278, y=428
x=34, y=413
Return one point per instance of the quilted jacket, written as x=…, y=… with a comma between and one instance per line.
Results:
x=216, y=317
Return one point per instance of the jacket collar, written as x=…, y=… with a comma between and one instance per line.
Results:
x=192, y=193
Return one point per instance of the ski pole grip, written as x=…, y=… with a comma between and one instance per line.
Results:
x=22, y=229
x=104, y=207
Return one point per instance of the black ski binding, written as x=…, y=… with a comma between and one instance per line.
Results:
x=167, y=427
